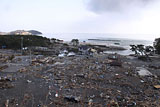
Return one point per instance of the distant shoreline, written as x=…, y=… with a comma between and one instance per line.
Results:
x=103, y=40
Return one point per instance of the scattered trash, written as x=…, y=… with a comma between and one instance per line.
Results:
x=75, y=77
x=62, y=55
x=22, y=70
x=90, y=102
x=142, y=81
x=71, y=54
x=157, y=86
x=3, y=67
x=59, y=63
x=7, y=103
x=5, y=83
x=28, y=81
x=56, y=95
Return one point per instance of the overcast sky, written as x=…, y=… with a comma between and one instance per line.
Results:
x=82, y=16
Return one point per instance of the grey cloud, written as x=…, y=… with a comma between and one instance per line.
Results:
x=100, y=6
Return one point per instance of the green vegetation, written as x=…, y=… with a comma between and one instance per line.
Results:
x=75, y=42
x=157, y=45
x=14, y=41
x=142, y=52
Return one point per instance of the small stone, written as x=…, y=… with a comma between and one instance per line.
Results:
x=56, y=95
x=142, y=81
x=28, y=81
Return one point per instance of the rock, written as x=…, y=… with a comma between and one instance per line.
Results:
x=72, y=99
x=154, y=66
x=115, y=63
x=80, y=75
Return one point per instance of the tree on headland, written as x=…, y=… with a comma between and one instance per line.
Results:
x=149, y=49
x=157, y=45
x=141, y=51
x=75, y=42
x=134, y=49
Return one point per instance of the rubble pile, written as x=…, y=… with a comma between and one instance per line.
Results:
x=109, y=80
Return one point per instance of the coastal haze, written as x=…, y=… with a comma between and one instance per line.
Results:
x=118, y=18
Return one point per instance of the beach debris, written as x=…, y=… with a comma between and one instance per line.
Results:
x=83, y=79
x=113, y=103
x=93, y=50
x=70, y=54
x=59, y=81
x=157, y=86
x=3, y=67
x=7, y=103
x=80, y=75
x=143, y=71
x=62, y=55
x=58, y=63
x=29, y=81
x=113, y=57
x=23, y=70
x=102, y=94
x=142, y=81
x=72, y=99
x=90, y=102
x=27, y=96
x=115, y=63
x=5, y=83
x=56, y=95
x=154, y=66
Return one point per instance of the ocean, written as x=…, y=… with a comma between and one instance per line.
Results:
x=104, y=39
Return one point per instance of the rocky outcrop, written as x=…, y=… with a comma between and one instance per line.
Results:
x=21, y=32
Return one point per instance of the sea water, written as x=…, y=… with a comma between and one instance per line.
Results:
x=104, y=39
